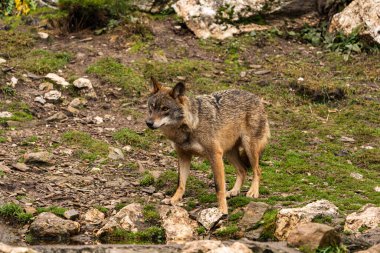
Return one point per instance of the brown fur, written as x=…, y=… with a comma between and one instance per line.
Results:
x=230, y=123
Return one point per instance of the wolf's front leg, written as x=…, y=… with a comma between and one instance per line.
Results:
x=183, y=172
x=216, y=159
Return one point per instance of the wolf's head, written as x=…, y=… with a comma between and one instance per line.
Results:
x=165, y=105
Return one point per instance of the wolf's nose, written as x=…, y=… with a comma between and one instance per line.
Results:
x=149, y=123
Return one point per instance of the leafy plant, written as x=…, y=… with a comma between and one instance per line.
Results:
x=16, y=7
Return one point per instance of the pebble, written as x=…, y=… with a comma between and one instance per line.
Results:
x=347, y=139
x=20, y=166
x=46, y=86
x=2, y=60
x=71, y=214
x=98, y=120
x=377, y=189
x=57, y=79
x=262, y=72
x=40, y=100
x=5, y=115
x=43, y=35
x=356, y=175
x=53, y=95
x=83, y=83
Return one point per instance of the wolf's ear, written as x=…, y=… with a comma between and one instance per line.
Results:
x=178, y=90
x=156, y=86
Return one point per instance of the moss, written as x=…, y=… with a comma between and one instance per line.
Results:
x=15, y=43
x=119, y=206
x=90, y=148
x=14, y=213
x=150, y=235
x=147, y=179
x=112, y=71
x=151, y=215
x=227, y=232
x=52, y=209
x=207, y=198
x=167, y=181
x=20, y=111
x=102, y=209
x=201, y=230
x=268, y=223
x=41, y=61
x=324, y=219
x=238, y=201
x=127, y=136
x=236, y=216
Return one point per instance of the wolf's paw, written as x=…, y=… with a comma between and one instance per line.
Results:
x=232, y=193
x=252, y=194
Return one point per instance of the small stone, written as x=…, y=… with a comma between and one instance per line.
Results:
x=158, y=195
x=98, y=120
x=72, y=110
x=83, y=83
x=2, y=60
x=262, y=72
x=115, y=154
x=30, y=210
x=243, y=74
x=57, y=79
x=39, y=157
x=127, y=148
x=94, y=216
x=46, y=86
x=78, y=102
x=48, y=225
x=377, y=189
x=300, y=79
x=4, y=168
x=160, y=57
x=347, y=139
x=367, y=147
x=95, y=170
x=254, y=66
x=20, y=166
x=5, y=115
x=57, y=117
x=80, y=56
x=71, y=214
x=14, y=81
x=209, y=217
x=43, y=35
x=53, y=95
x=356, y=175
x=40, y=100
x=149, y=189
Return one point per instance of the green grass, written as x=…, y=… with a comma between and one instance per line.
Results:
x=52, y=209
x=102, y=209
x=110, y=70
x=119, y=206
x=20, y=111
x=155, y=235
x=324, y=219
x=147, y=179
x=127, y=136
x=268, y=223
x=41, y=61
x=227, y=232
x=14, y=213
x=15, y=43
x=151, y=215
x=238, y=201
x=234, y=217
x=89, y=148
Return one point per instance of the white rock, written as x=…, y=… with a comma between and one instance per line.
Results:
x=12, y=249
x=368, y=216
x=57, y=79
x=209, y=217
x=356, y=175
x=40, y=100
x=43, y=35
x=2, y=60
x=367, y=147
x=377, y=189
x=98, y=120
x=53, y=95
x=94, y=216
x=212, y=246
x=127, y=148
x=83, y=83
x=289, y=218
x=96, y=170
x=347, y=139
x=78, y=102
x=5, y=114
x=115, y=154
x=14, y=81
x=359, y=13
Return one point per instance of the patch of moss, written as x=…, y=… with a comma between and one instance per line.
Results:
x=167, y=181
x=119, y=206
x=324, y=219
x=14, y=213
x=20, y=111
x=201, y=230
x=112, y=71
x=127, y=136
x=268, y=223
x=52, y=209
x=147, y=179
x=102, y=209
x=238, y=201
x=207, y=198
x=151, y=214
x=15, y=43
x=227, y=232
x=90, y=148
x=153, y=234
x=236, y=216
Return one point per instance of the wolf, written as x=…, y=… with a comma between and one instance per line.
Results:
x=229, y=124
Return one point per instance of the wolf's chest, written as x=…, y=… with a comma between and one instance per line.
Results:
x=191, y=146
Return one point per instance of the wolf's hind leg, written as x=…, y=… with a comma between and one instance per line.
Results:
x=253, y=152
x=241, y=171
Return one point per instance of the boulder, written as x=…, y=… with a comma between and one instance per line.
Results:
x=212, y=246
x=39, y=157
x=129, y=218
x=363, y=14
x=177, y=224
x=209, y=217
x=373, y=249
x=289, y=218
x=312, y=236
x=253, y=213
x=94, y=216
x=12, y=249
x=83, y=83
x=48, y=225
x=368, y=217
x=57, y=79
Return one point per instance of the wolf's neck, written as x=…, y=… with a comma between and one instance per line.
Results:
x=191, y=113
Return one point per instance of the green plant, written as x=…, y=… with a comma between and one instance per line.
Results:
x=8, y=91
x=228, y=231
x=127, y=136
x=14, y=212
x=151, y=215
x=150, y=235
x=52, y=209
x=119, y=206
x=147, y=179
x=201, y=230
x=238, y=201
x=16, y=7
x=102, y=209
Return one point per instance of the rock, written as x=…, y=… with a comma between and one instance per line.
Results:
x=115, y=154
x=209, y=217
x=53, y=95
x=377, y=189
x=72, y=110
x=370, y=236
x=177, y=224
x=96, y=170
x=149, y=189
x=39, y=157
x=152, y=6
x=6, y=115
x=373, y=249
x=43, y=35
x=160, y=57
x=48, y=225
x=367, y=217
x=12, y=249
x=71, y=214
x=313, y=235
x=290, y=218
x=4, y=168
x=57, y=117
x=14, y=81
x=40, y=100
x=98, y=120
x=83, y=83
x=212, y=246
x=128, y=218
x=46, y=86
x=266, y=247
x=78, y=102
x=253, y=213
x=347, y=139
x=20, y=167
x=57, y=79
x=158, y=195
x=127, y=148
x=30, y=210
x=94, y=216
x=356, y=175
x=2, y=60
x=262, y=72
x=359, y=13
x=8, y=235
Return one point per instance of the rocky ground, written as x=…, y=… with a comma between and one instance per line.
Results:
x=83, y=144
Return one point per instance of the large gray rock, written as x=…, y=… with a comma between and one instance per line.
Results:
x=224, y=18
x=177, y=224
x=209, y=217
x=367, y=217
x=48, y=225
x=312, y=236
x=128, y=218
x=364, y=14
x=373, y=249
x=253, y=213
x=289, y=218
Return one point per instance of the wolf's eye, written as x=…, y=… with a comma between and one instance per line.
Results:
x=164, y=109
